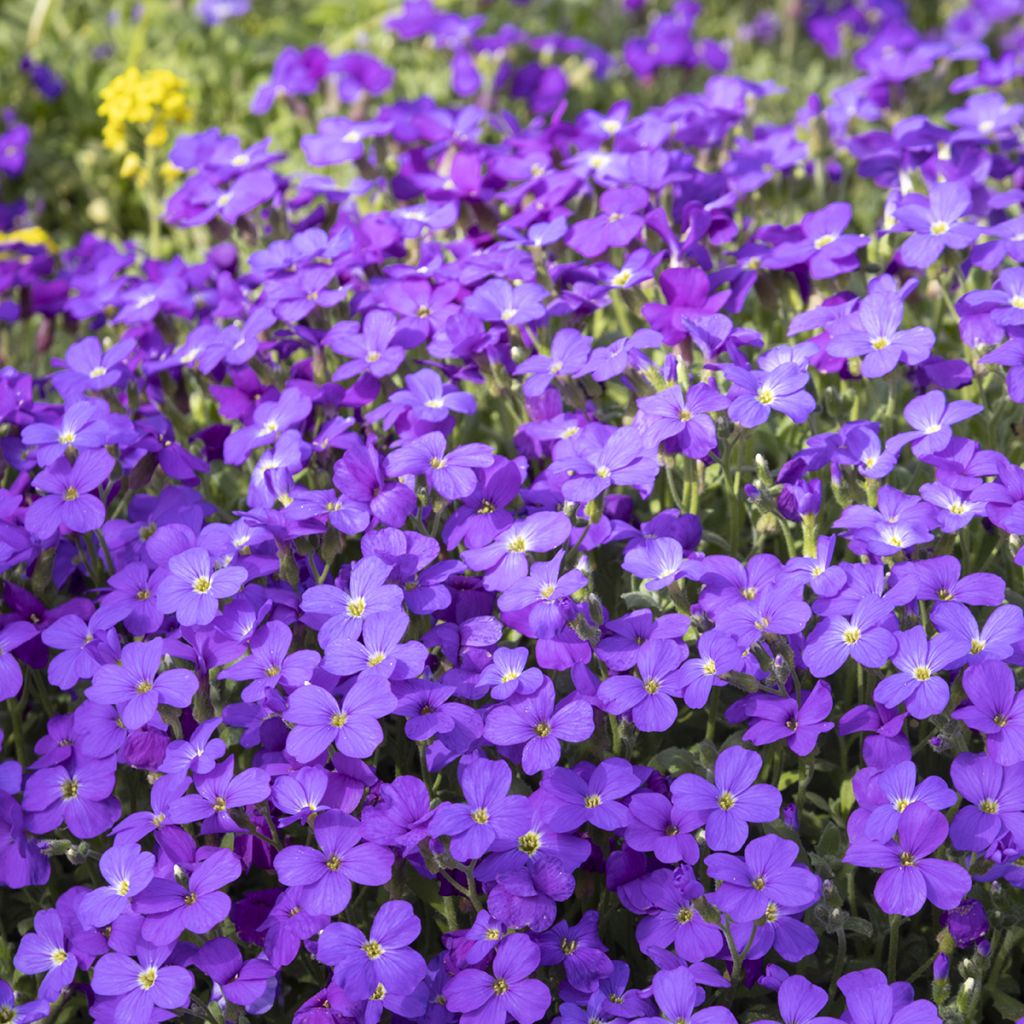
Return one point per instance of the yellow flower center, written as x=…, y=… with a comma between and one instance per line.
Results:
x=147, y=978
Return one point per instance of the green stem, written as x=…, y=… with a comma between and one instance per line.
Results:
x=894, y=944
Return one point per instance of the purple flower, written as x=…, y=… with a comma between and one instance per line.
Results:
x=873, y=335
x=755, y=394
x=67, y=503
x=488, y=813
x=765, y=875
x=870, y=999
x=353, y=726
x=540, y=727
x=579, y=950
x=192, y=589
x=717, y=654
x=899, y=789
x=678, y=997
x=801, y=1002
x=77, y=793
x=917, y=685
x=658, y=826
x=996, y=802
x=47, y=951
x=777, y=718
x=127, y=871
x=932, y=419
x=380, y=962
x=509, y=304
x=171, y=908
x=996, y=710
x=570, y=352
x=967, y=923
x=682, y=416
x=142, y=983
x=218, y=793
x=673, y=919
x=910, y=877
x=820, y=243
x=508, y=990
x=137, y=687
x=326, y=874
x=734, y=800
x=936, y=223
x=863, y=635
x=598, y=460
x=573, y=799
x=380, y=655
x=648, y=698
x=451, y=473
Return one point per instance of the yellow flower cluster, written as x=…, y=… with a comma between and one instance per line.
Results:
x=150, y=100
x=33, y=236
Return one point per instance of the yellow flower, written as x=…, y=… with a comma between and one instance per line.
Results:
x=28, y=236
x=152, y=101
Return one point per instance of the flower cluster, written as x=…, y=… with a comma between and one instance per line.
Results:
x=523, y=562
x=141, y=105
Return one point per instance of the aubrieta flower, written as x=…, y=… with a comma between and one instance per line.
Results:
x=353, y=725
x=507, y=990
x=995, y=797
x=918, y=685
x=325, y=875
x=136, y=685
x=68, y=502
x=936, y=222
x=44, y=950
x=142, y=983
x=910, y=876
x=378, y=963
x=488, y=813
x=766, y=875
x=732, y=802
x=678, y=996
x=995, y=709
x=193, y=587
x=128, y=870
x=755, y=394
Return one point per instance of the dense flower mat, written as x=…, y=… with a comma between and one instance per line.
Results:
x=503, y=559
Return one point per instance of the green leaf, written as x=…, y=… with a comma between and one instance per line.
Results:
x=675, y=761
